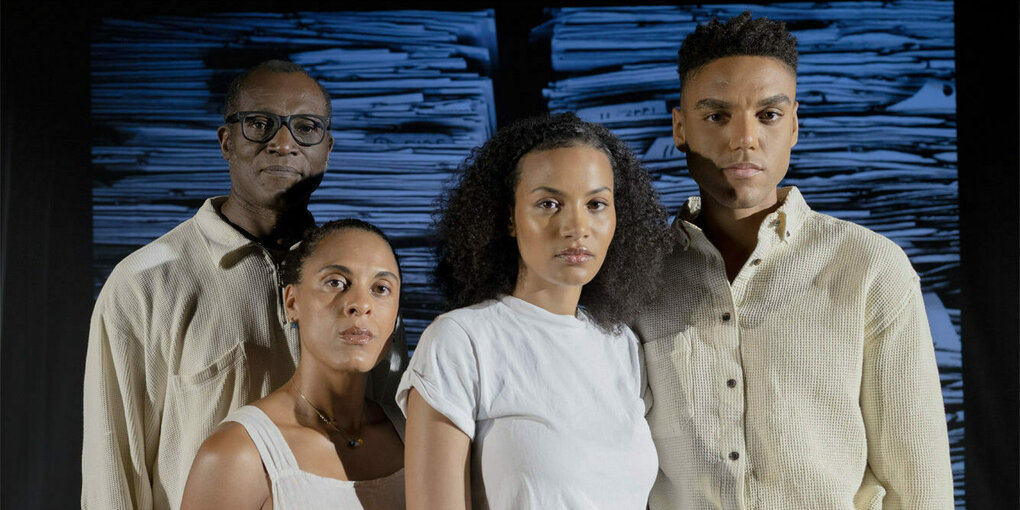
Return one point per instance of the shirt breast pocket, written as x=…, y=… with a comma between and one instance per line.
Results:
x=668, y=361
x=199, y=399
x=227, y=363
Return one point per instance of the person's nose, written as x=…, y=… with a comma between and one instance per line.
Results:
x=575, y=222
x=358, y=302
x=283, y=142
x=744, y=133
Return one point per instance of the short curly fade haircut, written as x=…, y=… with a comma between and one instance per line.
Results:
x=739, y=36
x=477, y=257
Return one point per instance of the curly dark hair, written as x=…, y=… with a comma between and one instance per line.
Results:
x=478, y=259
x=269, y=66
x=739, y=36
x=290, y=270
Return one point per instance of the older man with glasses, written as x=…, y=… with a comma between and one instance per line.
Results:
x=192, y=326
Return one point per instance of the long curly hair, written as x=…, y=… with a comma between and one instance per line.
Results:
x=477, y=257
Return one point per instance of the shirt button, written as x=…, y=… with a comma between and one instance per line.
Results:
x=755, y=262
x=726, y=316
x=734, y=455
x=732, y=383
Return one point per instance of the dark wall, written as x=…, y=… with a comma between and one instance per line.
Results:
x=46, y=239
x=46, y=253
x=987, y=102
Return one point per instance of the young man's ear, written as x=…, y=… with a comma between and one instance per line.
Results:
x=510, y=229
x=679, y=138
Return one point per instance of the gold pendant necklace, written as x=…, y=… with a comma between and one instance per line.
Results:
x=352, y=442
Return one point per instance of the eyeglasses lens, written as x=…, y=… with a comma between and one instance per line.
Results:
x=308, y=130
x=259, y=128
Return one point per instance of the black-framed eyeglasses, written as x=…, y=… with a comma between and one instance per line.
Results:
x=260, y=127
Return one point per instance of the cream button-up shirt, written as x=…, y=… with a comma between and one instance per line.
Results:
x=808, y=383
x=186, y=329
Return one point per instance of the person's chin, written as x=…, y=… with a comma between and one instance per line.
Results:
x=740, y=197
x=577, y=276
x=278, y=184
x=356, y=364
x=287, y=197
x=747, y=202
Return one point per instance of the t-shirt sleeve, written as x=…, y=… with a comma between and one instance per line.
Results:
x=444, y=370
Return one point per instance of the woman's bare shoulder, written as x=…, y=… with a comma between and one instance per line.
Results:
x=230, y=446
x=227, y=472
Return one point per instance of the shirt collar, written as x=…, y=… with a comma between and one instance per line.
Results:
x=785, y=221
x=221, y=237
x=684, y=226
x=227, y=244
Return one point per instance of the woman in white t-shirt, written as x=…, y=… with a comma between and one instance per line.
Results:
x=530, y=397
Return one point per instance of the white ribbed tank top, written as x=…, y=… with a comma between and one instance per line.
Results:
x=296, y=489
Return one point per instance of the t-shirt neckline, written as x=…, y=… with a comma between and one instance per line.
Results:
x=528, y=309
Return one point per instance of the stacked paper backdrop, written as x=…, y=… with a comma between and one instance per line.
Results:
x=413, y=93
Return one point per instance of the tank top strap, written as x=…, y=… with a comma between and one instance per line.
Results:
x=273, y=448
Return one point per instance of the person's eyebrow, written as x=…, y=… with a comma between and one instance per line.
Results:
x=555, y=191
x=775, y=100
x=712, y=104
x=387, y=274
x=347, y=270
x=335, y=267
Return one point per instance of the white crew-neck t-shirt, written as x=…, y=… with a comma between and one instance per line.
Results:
x=552, y=406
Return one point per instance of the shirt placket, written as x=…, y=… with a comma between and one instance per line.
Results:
x=740, y=459
x=727, y=381
x=729, y=387
x=274, y=273
x=289, y=338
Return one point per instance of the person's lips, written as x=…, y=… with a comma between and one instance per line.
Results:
x=356, y=336
x=282, y=170
x=575, y=255
x=743, y=169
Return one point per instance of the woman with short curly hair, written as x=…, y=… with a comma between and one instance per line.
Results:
x=530, y=395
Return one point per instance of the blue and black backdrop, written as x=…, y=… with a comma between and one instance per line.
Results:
x=415, y=90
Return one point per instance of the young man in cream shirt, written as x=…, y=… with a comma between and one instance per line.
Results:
x=789, y=358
